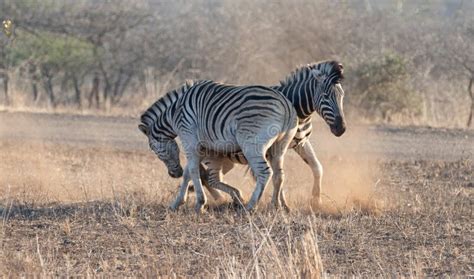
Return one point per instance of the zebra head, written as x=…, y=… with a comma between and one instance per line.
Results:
x=328, y=104
x=166, y=149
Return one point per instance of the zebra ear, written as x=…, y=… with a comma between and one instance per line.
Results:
x=144, y=129
x=341, y=68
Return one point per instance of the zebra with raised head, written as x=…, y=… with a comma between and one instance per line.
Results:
x=311, y=88
x=214, y=118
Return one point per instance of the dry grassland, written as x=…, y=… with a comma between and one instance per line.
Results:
x=81, y=210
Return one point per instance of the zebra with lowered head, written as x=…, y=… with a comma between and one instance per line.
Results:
x=312, y=88
x=214, y=118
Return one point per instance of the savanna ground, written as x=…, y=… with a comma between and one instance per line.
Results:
x=83, y=195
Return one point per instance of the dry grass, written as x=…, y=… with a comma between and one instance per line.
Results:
x=77, y=211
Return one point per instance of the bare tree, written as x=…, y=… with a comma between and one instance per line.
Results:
x=4, y=67
x=457, y=56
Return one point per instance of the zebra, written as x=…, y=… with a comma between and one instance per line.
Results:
x=313, y=87
x=215, y=118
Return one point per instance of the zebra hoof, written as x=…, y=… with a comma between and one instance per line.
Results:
x=237, y=203
x=200, y=209
x=250, y=209
x=173, y=208
x=283, y=207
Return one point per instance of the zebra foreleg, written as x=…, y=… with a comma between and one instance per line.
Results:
x=193, y=168
x=306, y=152
x=183, y=191
x=191, y=172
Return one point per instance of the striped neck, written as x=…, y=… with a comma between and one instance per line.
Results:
x=300, y=89
x=159, y=116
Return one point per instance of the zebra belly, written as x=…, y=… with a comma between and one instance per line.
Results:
x=235, y=157
x=217, y=148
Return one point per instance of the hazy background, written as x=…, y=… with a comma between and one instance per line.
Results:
x=406, y=62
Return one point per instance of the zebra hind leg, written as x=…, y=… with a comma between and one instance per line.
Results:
x=262, y=171
x=205, y=181
x=237, y=199
x=276, y=157
x=276, y=161
x=217, y=168
x=278, y=199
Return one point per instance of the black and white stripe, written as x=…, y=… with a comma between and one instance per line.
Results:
x=316, y=87
x=212, y=119
x=313, y=87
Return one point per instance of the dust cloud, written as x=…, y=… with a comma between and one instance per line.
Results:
x=36, y=169
x=350, y=179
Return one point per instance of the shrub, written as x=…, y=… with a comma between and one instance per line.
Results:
x=383, y=89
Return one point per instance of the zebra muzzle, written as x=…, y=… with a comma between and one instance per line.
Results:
x=176, y=173
x=339, y=126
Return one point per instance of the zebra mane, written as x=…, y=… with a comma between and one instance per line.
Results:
x=332, y=69
x=152, y=114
